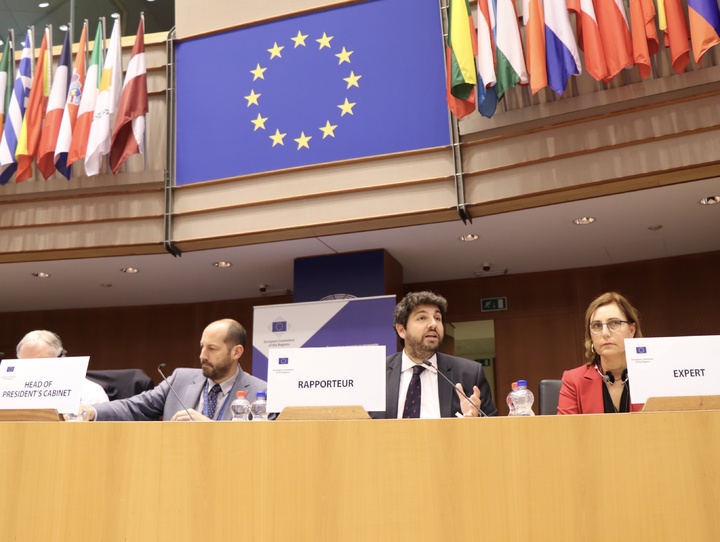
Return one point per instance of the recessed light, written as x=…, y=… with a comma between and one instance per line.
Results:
x=44, y=4
x=709, y=200
x=656, y=227
x=469, y=237
x=222, y=264
x=63, y=27
x=584, y=220
x=130, y=270
x=41, y=275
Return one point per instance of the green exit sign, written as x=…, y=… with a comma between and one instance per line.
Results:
x=485, y=362
x=493, y=304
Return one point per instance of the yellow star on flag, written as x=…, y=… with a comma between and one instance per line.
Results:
x=352, y=81
x=299, y=39
x=328, y=129
x=346, y=107
x=344, y=56
x=259, y=122
x=258, y=73
x=325, y=40
x=275, y=51
x=303, y=140
x=277, y=138
x=252, y=98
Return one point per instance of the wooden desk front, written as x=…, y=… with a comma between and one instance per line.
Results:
x=649, y=476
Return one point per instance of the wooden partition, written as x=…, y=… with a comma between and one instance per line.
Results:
x=647, y=476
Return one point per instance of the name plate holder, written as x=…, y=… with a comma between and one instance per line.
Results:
x=30, y=415
x=320, y=413
x=681, y=404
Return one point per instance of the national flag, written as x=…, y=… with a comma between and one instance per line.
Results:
x=105, y=105
x=16, y=112
x=511, y=68
x=534, y=21
x=588, y=37
x=644, y=34
x=486, y=91
x=53, y=115
x=461, y=49
x=29, y=137
x=70, y=113
x=562, y=57
x=671, y=19
x=128, y=137
x=615, y=34
x=86, y=111
x=704, y=18
x=6, y=72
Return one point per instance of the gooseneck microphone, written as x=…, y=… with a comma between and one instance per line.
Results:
x=480, y=412
x=160, y=368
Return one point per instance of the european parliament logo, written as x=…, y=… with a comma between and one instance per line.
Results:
x=359, y=80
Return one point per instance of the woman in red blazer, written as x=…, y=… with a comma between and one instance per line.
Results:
x=601, y=385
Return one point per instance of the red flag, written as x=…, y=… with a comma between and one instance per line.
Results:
x=615, y=33
x=34, y=114
x=677, y=35
x=644, y=34
x=53, y=116
x=589, y=38
x=128, y=137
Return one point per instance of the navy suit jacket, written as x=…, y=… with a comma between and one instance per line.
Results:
x=160, y=402
x=468, y=373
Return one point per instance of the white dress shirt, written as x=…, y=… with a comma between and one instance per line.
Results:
x=429, y=399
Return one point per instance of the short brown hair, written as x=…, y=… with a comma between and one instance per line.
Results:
x=413, y=300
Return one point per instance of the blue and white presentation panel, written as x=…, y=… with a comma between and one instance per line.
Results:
x=342, y=322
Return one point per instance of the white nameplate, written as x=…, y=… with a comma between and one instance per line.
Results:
x=328, y=376
x=673, y=366
x=42, y=383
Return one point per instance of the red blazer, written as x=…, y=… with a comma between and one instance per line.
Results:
x=581, y=392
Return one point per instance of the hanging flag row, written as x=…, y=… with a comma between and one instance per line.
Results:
x=85, y=113
x=484, y=61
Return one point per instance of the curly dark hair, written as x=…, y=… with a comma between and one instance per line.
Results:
x=414, y=299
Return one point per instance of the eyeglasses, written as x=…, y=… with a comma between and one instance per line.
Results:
x=596, y=328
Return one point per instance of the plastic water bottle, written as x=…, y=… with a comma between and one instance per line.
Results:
x=511, y=400
x=240, y=408
x=259, y=407
x=523, y=399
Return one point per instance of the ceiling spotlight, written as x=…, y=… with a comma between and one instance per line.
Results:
x=584, y=220
x=41, y=275
x=656, y=227
x=222, y=264
x=44, y=4
x=469, y=237
x=709, y=200
x=130, y=270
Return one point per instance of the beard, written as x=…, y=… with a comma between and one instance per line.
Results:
x=417, y=348
x=215, y=372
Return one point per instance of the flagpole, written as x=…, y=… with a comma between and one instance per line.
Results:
x=145, y=139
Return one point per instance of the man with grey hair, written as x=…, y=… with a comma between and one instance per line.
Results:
x=46, y=344
x=414, y=392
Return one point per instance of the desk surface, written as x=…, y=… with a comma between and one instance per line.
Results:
x=648, y=476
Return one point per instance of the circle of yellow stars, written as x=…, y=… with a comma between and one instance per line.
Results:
x=346, y=108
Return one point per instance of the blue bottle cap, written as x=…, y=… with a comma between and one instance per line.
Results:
x=522, y=383
x=261, y=394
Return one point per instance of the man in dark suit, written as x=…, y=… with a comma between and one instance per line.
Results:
x=206, y=392
x=415, y=390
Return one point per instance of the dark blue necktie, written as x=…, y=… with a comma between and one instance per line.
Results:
x=412, y=399
x=212, y=401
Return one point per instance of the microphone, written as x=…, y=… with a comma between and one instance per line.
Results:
x=480, y=412
x=160, y=368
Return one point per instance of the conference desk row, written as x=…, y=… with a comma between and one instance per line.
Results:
x=645, y=476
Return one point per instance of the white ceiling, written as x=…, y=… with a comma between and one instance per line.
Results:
x=526, y=241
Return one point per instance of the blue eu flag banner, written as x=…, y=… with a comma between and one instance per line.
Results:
x=361, y=80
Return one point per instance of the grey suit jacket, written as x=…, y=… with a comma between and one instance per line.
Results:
x=160, y=402
x=468, y=373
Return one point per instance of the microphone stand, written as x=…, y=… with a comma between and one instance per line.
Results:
x=160, y=368
x=480, y=412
